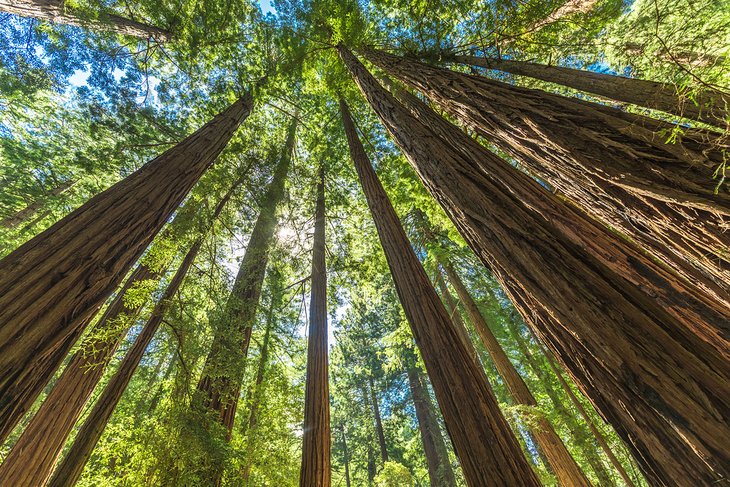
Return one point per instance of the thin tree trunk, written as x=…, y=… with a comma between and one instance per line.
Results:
x=316, y=442
x=710, y=106
x=662, y=388
x=453, y=310
x=378, y=422
x=72, y=466
x=563, y=465
x=20, y=216
x=660, y=195
x=488, y=451
x=440, y=472
x=346, y=455
x=52, y=285
x=32, y=458
x=55, y=11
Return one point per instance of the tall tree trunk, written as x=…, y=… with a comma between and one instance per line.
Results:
x=662, y=388
x=563, y=465
x=57, y=12
x=316, y=443
x=72, y=466
x=710, y=106
x=660, y=195
x=440, y=472
x=378, y=422
x=220, y=383
x=371, y=466
x=32, y=458
x=52, y=285
x=488, y=451
x=453, y=309
x=20, y=216
x=346, y=456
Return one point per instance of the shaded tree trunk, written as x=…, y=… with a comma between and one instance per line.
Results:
x=71, y=467
x=710, y=106
x=440, y=472
x=662, y=196
x=52, y=285
x=55, y=11
x=488, y=451
x=378, y=422
x=20, y=216
x=570, y=7
x=346, y=456
x=662, y=388
x=316, y=443
x=563, y=465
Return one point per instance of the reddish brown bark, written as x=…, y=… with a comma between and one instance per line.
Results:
x=662, y=388
x=56, y=12
x=51, y=286
x=20, y=216
x=316, y=442
x=610, y=164
x=488, y=451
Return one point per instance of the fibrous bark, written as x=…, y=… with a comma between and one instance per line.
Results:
x=52, y=285
x=488, y=451
x=55, y=11
x=660, y=195
x=316, y=443
x=662, y=388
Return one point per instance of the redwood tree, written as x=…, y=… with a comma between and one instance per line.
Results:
x=662, y=388
x=52, y=285
x=488, y=451
x=316, y=443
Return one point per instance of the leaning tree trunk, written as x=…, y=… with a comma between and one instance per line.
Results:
x=316, y=443
x=72, y=466
x=52, y=285
x=710, y=106
x=662, y=388
x=220, y=382
x=57, y=12
x=20, y=216
x=660, y=195
x=440, y=472
x=32, y=458
x=488, y=451
x=563, y=465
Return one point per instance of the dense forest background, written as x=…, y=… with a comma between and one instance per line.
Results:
x=152, y=388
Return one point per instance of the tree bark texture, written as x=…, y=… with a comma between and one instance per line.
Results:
x=488, y=451
x=220, y=382
x=710, y=106
x=56, y=12
x=662, y=196
x=662, y=388
x=20, y=216
x=71, y=467
x=52, y=285
x=563, y=465
x=316, y=441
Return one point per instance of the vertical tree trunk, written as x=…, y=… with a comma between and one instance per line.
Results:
x=660, y=195
x=488, y=451
x=710, y=106
x=20, y=216
x=52, y=285
x=563, y=465
x=72, y=466
x=316, y=443
x=662, y=388
x=32, y=458
x=57, y=12
x=346, y=456
x=440, y=472
x=372, y=468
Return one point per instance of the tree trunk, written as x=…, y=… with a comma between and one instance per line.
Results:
x=346, y=455
x=456, y=318
x=33, y=457
x=710, y=106
x=316, y=443
x=570, y=7
x=378, y=422
x=70, y=469
x=220, y=382
x=20, y=216
x=56, y=12
x=662, y=388
x=563, y=465
x=662, y=196
x=52, y=285
x=488, y=451
x=440, y=472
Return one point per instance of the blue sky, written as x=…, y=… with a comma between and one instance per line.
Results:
x=267, y=7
